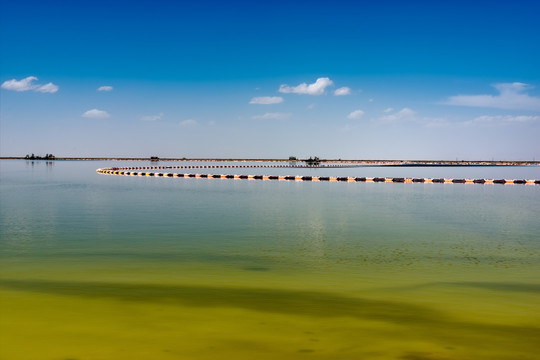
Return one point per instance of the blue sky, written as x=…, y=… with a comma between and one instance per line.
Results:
x=340, y=79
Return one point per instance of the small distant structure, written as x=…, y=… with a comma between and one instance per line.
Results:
x=313, y=161
x=154, y=158
x=292, y=158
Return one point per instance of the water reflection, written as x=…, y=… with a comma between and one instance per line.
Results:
x=39, y=162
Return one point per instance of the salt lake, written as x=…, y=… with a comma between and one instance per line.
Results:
x=124, y=267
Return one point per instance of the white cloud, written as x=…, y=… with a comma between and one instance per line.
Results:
x=105, y=88
x=511, y=96
x=342, y=91
x=355, y=115
x=317, y=88
x=311, y=106
x=265, y=100
x=47, y=88
x=20, y=85
x=189, y=123
x=152, y=117
x=27, y=84
x=388, y=110
x=272, y=116
x=371, y=100
x=96, y=114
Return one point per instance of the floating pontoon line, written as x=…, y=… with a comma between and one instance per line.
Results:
x=234, y=167
x=128, y=171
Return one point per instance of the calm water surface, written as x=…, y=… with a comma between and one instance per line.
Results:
x=115, y=267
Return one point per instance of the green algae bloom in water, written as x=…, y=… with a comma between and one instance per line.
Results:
x=110, y=267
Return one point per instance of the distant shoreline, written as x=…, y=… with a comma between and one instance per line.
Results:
x=418, y=163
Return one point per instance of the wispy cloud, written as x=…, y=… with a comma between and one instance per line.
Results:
x=404, y=114
x=435, y=122
x=189, y=123
x=317, y=88
x=502, y=119
x=28, y=84
x=342, y=91
x=266, y=100
x=272, y=116
x=409, y=116
x=105, y=88
x=152, y=117
x=355, y=115
x=96, y=114
x=511, y=96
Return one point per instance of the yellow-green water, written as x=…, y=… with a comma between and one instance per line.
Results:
x=105, y=267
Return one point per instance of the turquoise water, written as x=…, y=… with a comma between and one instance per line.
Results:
x=101, y=267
